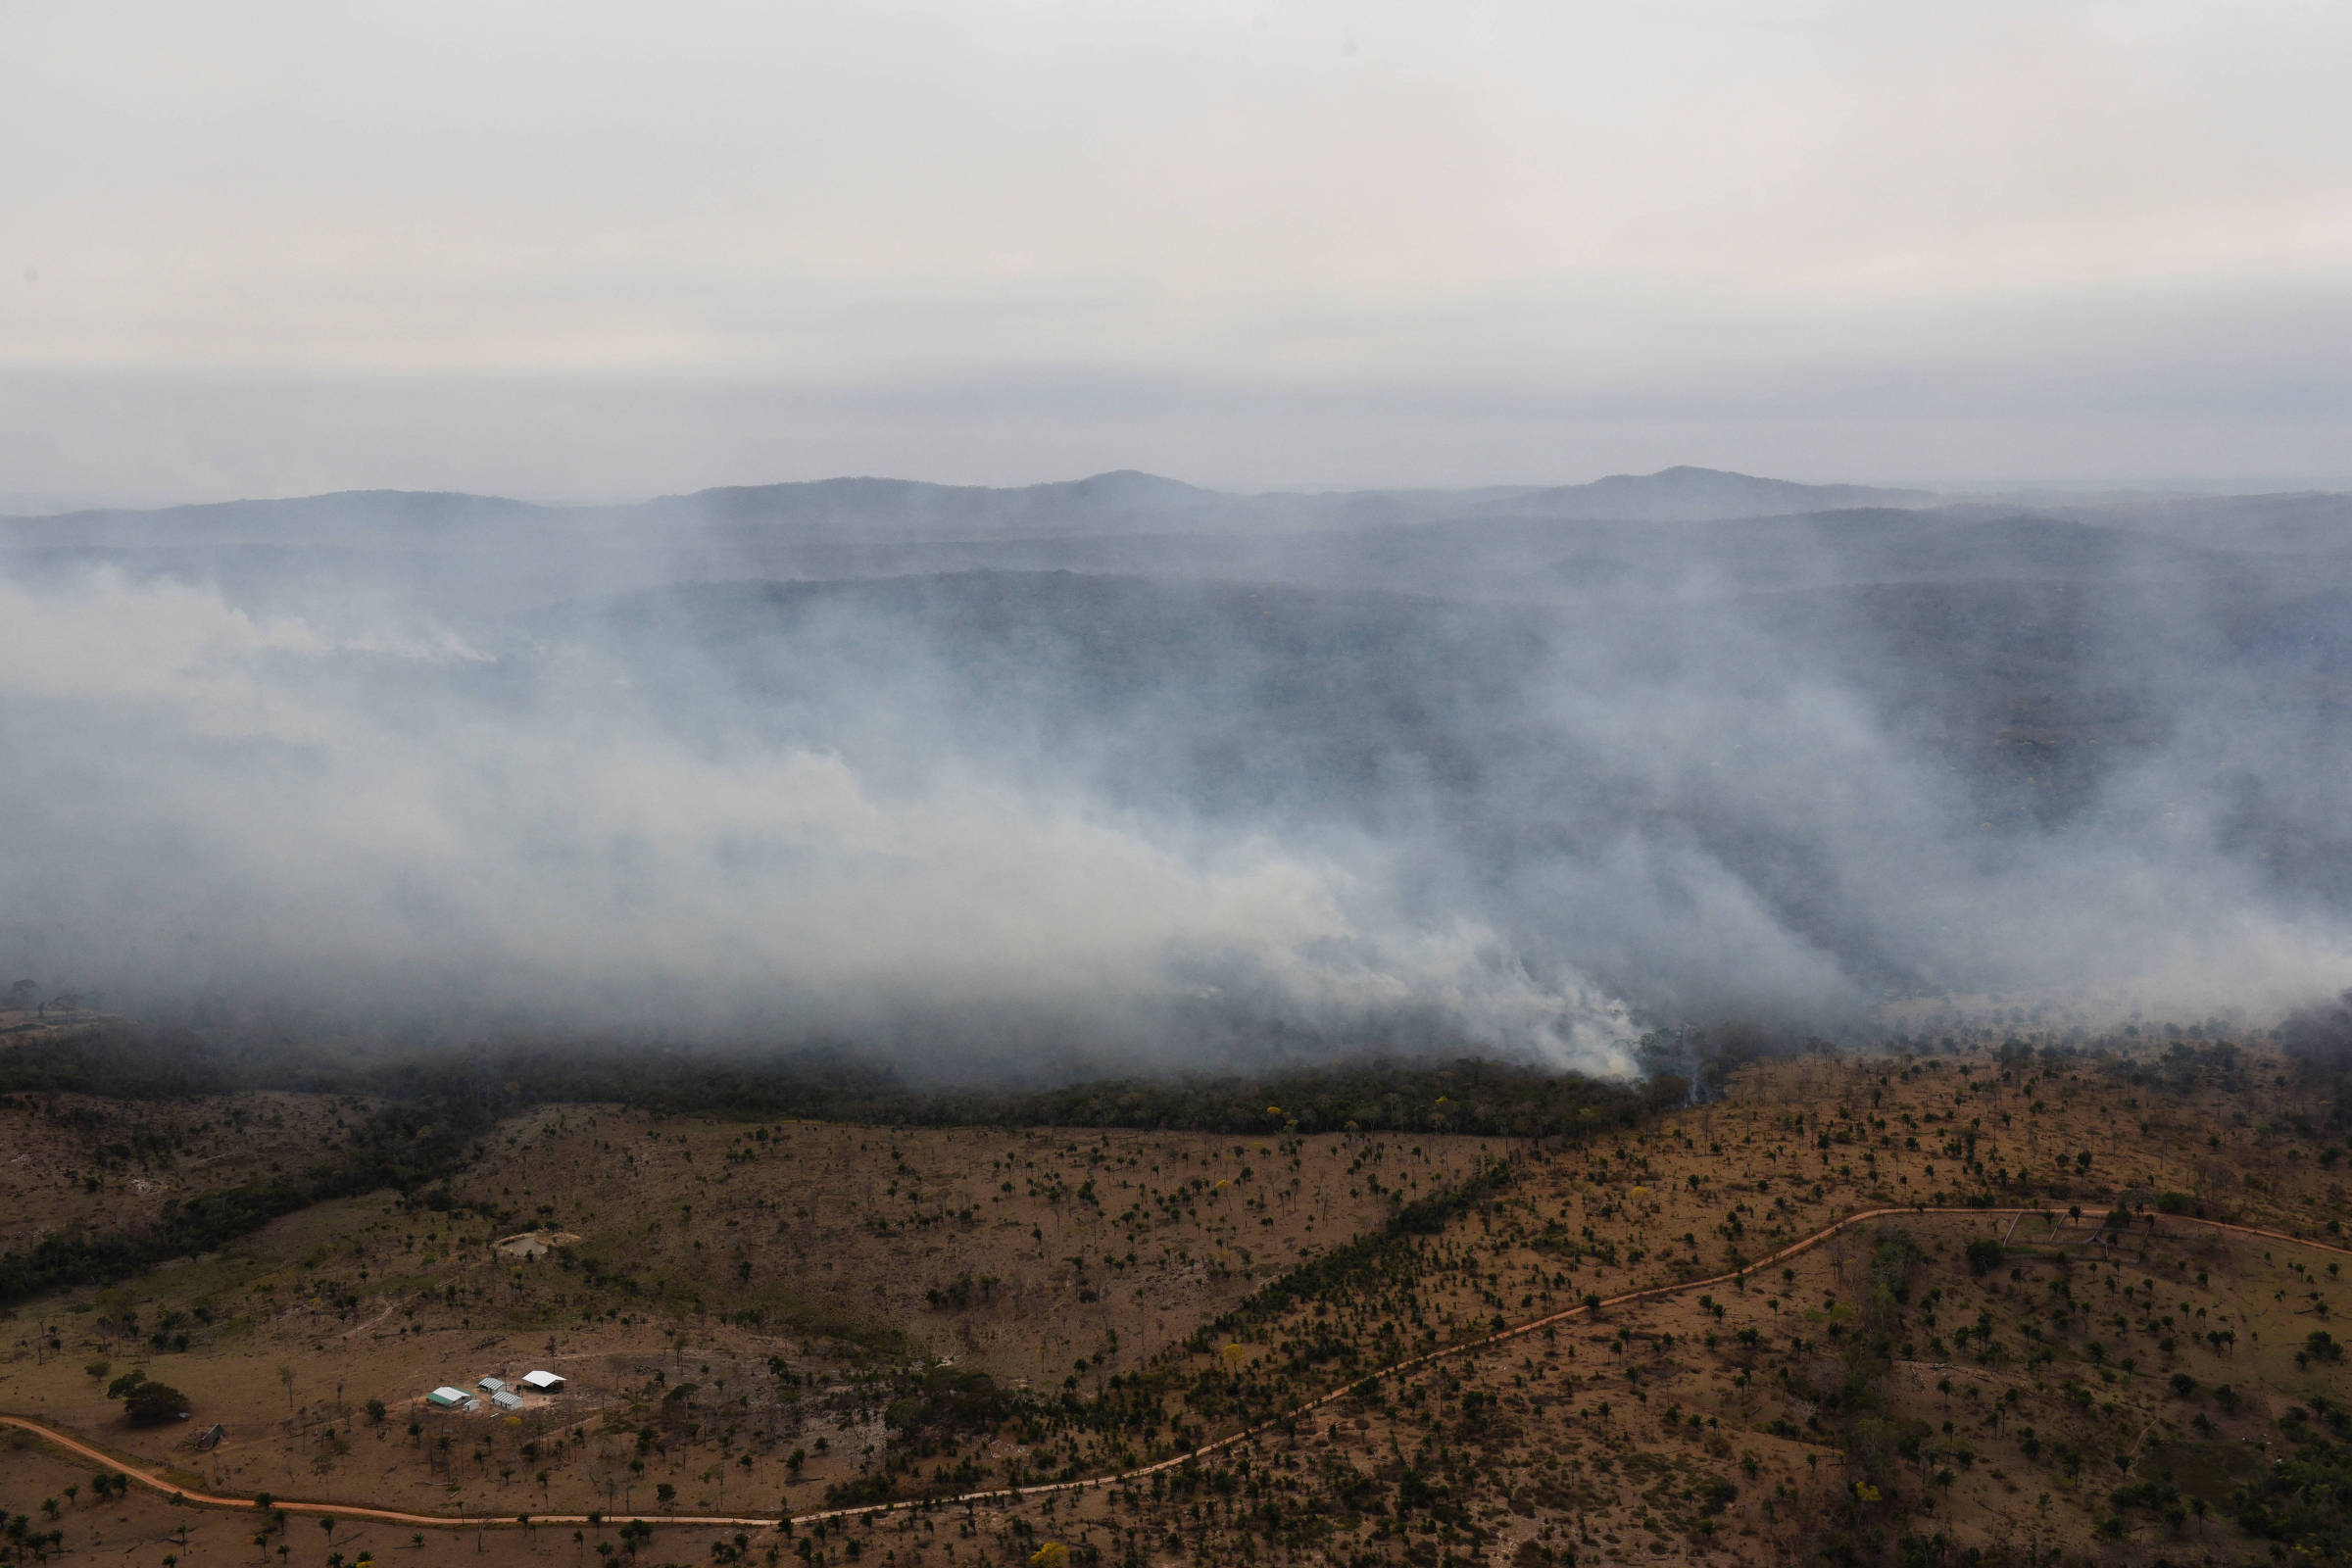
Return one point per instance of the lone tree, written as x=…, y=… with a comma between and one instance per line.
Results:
x=147, y=1403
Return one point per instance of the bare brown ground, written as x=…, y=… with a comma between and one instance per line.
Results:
x=348, y=1301
x=69, y=1160
x=143, y=1529
x=1702, y=1427
x=2020, y=1422
x=1070, y=1244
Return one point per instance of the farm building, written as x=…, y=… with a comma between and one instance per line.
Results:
x=544, y=1381
x=492, y=1385
x=446, y=1397
x=506, y=1399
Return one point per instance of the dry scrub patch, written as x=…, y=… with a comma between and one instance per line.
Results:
x=70, y=1160
x=1024, y=1252
x=141, y=1529
x=686, y=1369
x=2013, y=1402
x=741, y=1293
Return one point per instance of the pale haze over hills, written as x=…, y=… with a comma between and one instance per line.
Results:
x=1128, y=769
x=639, y=583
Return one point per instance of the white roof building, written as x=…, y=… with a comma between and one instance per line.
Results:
x=446, y=1397
x=491, y=1385
x=544, y=1381
x=506, y=1399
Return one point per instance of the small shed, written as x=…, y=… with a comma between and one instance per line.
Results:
x=446, y=1397
x=492, y=1385
x=544, y=1381
x=506, y=1399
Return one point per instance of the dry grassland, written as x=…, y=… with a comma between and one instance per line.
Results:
x=71, y=1161
x=141, y=1529
x=707, y=1248
x=754, y=1315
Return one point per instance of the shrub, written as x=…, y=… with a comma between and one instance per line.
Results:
x=152, y=1404
x=1896, y=1258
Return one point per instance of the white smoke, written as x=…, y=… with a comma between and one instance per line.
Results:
x=202, y=802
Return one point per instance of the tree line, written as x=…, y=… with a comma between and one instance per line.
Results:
x=437, y=1102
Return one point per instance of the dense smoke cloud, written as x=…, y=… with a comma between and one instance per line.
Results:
x=208, y=803
x=1132, y=775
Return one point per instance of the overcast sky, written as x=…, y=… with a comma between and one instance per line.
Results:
x=594, y=250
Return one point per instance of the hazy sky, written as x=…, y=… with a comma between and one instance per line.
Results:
x=594, y=250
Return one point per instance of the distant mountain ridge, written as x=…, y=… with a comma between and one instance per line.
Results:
x=1700, y=495
x=882, y=512
x=404, y=514
x=868, y=509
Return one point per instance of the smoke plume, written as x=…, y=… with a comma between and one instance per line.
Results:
x=1128, y=775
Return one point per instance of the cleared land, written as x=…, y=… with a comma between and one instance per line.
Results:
x=83, y=1161
x=743, y=1293
x=708, y=1248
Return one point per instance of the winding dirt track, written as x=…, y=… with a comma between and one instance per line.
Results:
x=147, y=1477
